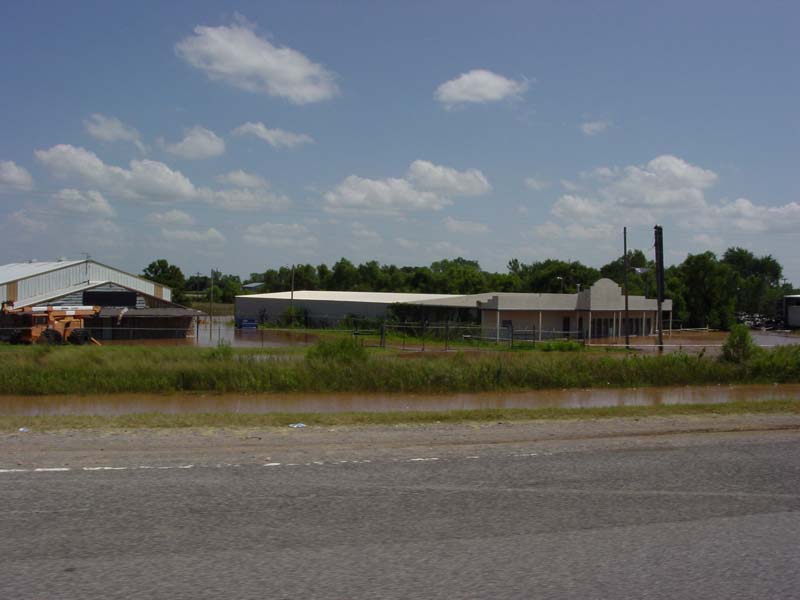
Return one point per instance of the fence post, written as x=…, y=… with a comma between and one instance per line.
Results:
x=446, y=336
x=383, y=334
x=511, y=336
x=423, y=335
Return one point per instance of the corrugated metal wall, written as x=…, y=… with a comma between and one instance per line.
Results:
x=60, y=279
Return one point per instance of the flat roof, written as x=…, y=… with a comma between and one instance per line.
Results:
x=331, y=296
x=15, y=271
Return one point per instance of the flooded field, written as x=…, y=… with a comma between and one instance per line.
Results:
x=119, y=404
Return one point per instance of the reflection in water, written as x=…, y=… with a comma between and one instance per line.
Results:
x=118, y=404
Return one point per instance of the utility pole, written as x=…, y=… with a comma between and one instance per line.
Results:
x=291, y=302
x=211, y=309
x=626, y=324
x=659, y=239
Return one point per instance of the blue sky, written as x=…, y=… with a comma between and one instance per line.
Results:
x=266, y=133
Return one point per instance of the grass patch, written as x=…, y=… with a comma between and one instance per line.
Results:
x=341, y=366
x=171, y=421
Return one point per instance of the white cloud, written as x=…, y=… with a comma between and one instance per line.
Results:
x=383, y=196
x=362, y=235
x=569, y=186
x=14, y=176
x=174, y=218
x=197, y=143
x=665, y=182
x=478, y=86
x=458, y=226
x=30, y=225
x=576, y=231
x=111, y=129
x=406, y=243
x=146, y=179
x=239, y=199
x=153, y=181
x=572, y=207
x=594, y=127
x=428, y=176
x=277, y=138
x=279, y=235
x=91, y=203
x=448, y=249
x=426, y=187
x=237, y=56
x=536, y=184
x=209, y=236
x=243, y=179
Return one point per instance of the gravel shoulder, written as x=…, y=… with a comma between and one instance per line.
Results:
x=238, y=446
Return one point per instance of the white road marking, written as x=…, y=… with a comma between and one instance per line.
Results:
x=105, y=468
x=269, y=464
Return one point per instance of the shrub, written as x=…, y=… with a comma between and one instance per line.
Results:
x=560, y=346
x=739, y=347
x=341, y=350
x=223, y=351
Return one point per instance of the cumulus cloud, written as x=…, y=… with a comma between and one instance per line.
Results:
x=173, y=218
x=236, y=55
x=277, y=138
x=478, y=86
x=90, y=203
x=536, y=184
x=384, y=196
x=406, y=243
x=145, y=179
x=14, y=176
x=209, y=236
x=243, y=179
x=111, y=129
x=458, y=226
x=153, y=181
x=362, y=235
x=437, y=178
x=591, y=128
x=23, y=221
x=666, y=182
x=447, y=249
x=279, y=235
x=243, y=199
x=197, y=143
x=426, y=187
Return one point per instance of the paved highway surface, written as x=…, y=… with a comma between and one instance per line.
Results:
x=701, y=515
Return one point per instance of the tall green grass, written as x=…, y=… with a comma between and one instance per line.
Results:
x=90, y=370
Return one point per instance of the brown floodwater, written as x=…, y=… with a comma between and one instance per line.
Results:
x=178, y=403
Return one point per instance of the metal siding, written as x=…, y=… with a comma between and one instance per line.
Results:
x=76, y=274
x=3, y=293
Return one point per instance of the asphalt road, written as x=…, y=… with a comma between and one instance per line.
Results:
x=672, y=516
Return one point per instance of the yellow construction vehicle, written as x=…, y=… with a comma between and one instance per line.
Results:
x=50, y=324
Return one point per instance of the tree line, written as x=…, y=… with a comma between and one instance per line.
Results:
x=705, y=290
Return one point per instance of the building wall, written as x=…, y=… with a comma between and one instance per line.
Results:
x=793, y=316
x=561, y=324
x=272, y=309
x=76, y=274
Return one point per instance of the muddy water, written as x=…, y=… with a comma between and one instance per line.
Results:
x=119, y=404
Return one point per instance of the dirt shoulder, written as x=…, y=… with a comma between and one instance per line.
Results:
x=241, y=446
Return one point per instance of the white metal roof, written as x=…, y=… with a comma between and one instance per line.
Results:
x=330, y=296
x=15, y=271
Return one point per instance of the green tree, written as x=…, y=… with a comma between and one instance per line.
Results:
x=710, y=291
x=167, y=275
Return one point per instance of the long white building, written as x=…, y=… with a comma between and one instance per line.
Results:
x=596, y=312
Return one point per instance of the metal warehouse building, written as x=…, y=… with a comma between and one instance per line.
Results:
x=128, y=306
x=596, y=312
